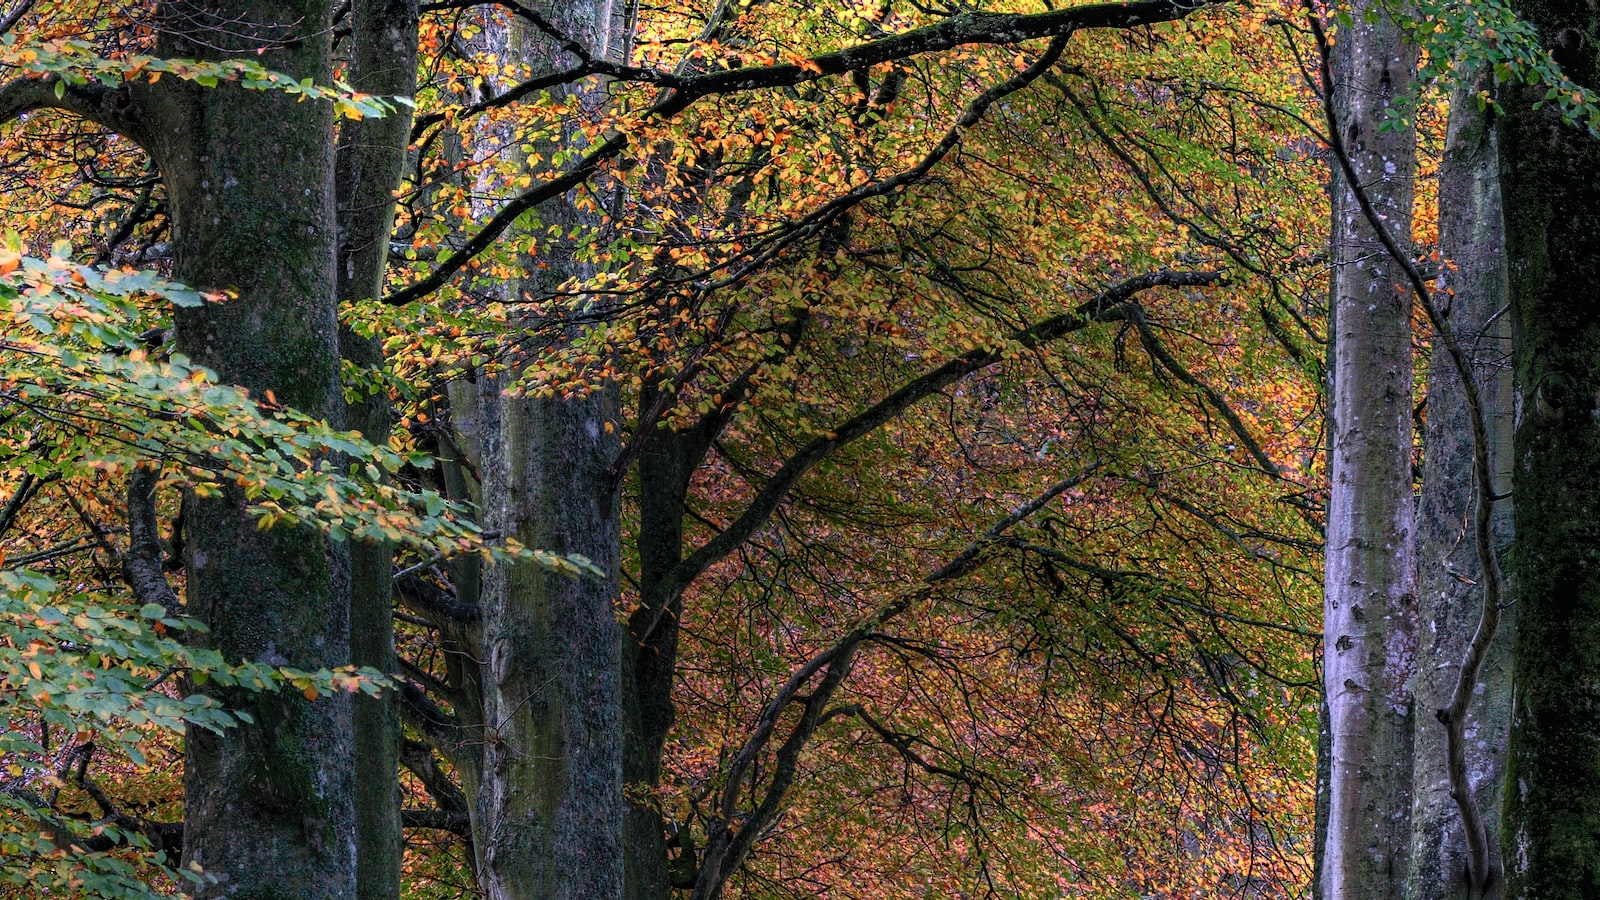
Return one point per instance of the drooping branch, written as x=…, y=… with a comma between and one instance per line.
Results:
x=1168, y=592
x=734, y=831
x=1108, y=306
x=766, y=247
x=1147, y=339
x=906, y=745
x=27, y=489
x=491, y=231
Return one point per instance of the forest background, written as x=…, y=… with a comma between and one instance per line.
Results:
x=787, y=449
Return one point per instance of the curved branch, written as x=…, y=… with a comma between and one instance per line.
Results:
x=1110, y=305
x=966, y=29
x=111, y=107
x=508, y=214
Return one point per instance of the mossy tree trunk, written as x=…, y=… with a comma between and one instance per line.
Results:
x=269, y=806
x=1551, y=186
x=1370, y=606
x=1473, y=286
x=370, y=158
x=549, y=811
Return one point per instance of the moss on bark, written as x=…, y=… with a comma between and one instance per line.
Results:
x=1551, y=184
x=250, y=178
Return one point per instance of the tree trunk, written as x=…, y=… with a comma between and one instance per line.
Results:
x=1370, y=603
x=665, y=468
x=370, y=158
x=549, y=808
x=1551, y=836
x=269, y=806
x=1449, y=578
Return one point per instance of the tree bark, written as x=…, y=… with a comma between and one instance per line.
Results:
x=1473, y=284
x=1370, y=604
x=665, y=468
x=1550, y=839
x=549, y=810
x=269, y=805
x=370, y=158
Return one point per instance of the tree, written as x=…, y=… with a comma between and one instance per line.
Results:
x=248, y=178
x=368, y=164
x=1369, y=621
x=1552, y=774
x=1449, y=574
x=775, y=332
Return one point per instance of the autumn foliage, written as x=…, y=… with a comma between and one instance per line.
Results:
x=1008, y=356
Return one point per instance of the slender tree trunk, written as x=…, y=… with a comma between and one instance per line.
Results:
x=549, y=811
x=1370, y=603
x=369, y=161
x=1473, y=284
x=269, y=806
x=1551, y=836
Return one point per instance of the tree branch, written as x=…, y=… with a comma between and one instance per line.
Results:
x=457, y=823
x=14, y=16
x=966, y=29
x=1108, y=306
x=508, y=214
x=143, y=566
x=111, y=107
x=731, y=834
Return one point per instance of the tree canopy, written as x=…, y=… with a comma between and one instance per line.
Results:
x=767, y=449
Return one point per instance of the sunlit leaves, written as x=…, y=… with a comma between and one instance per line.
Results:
x=84, y=389
x=79, y=62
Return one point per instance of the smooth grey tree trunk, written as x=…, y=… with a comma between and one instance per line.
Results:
x=1473, y=284
x=548, y=808
x=1551, y=836
x=1370, y=601
x=370, y=158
